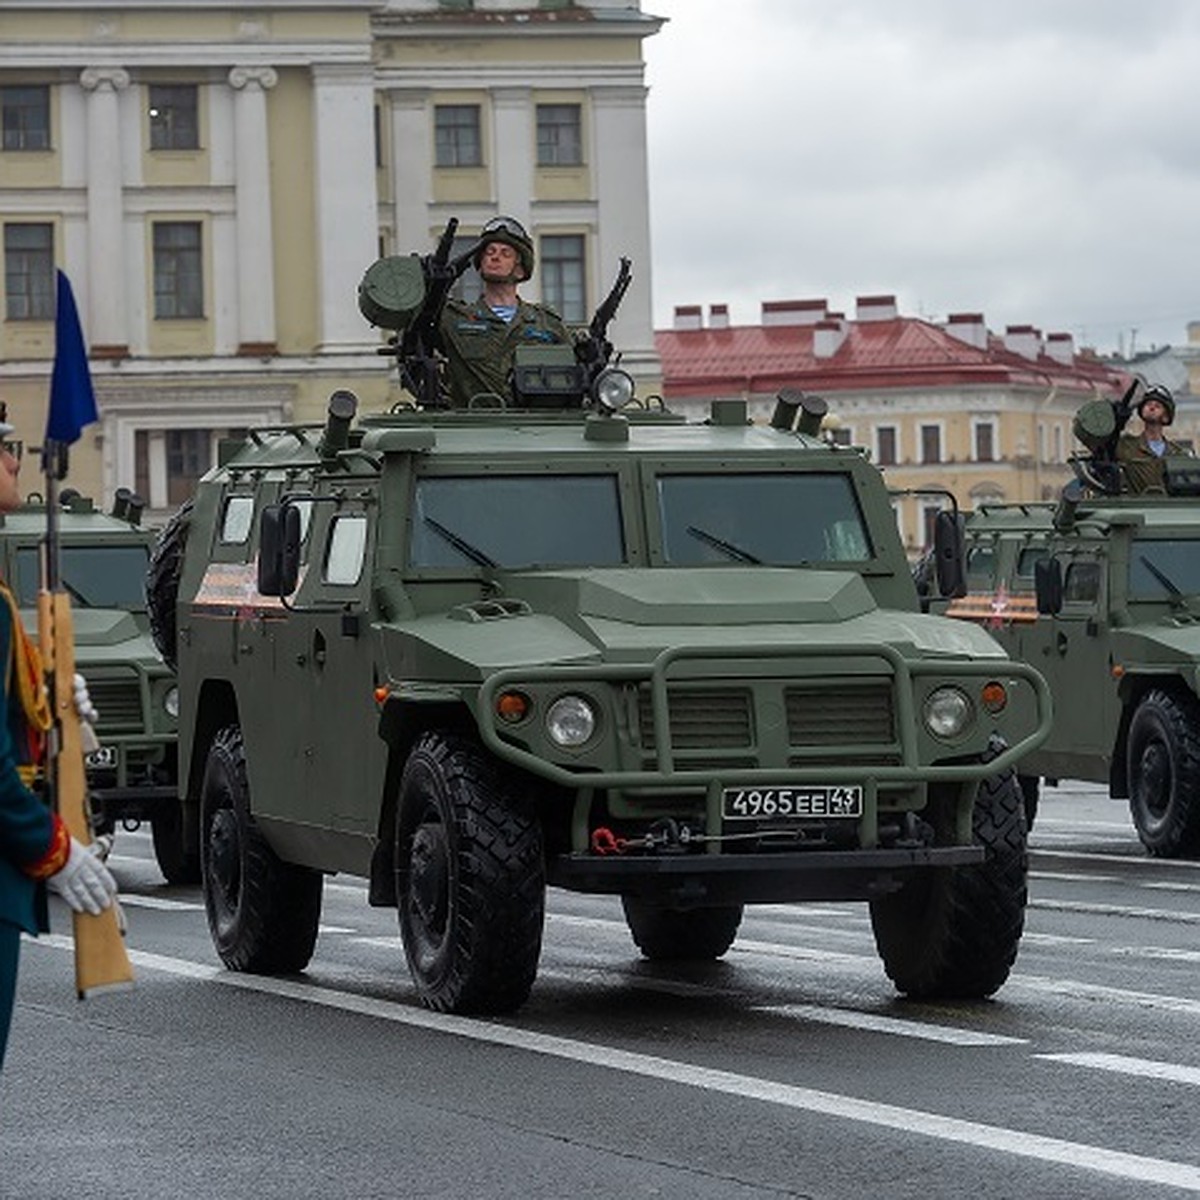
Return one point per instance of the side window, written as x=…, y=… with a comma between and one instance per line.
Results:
x=1082, y=582
x=238, y=517
x=1027, y=562
x=346, y=551
x=981, y=566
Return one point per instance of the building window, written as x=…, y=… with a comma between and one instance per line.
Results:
x=25, y=117
x=840, y=435
x=931, y=443
x=985, y=441
x=559, y=135
x=885, y=446
x=562, y=276
x=929, y=513
x=174, y=117
x=456, y=135
x=468, y=287
x=29, y=272
x=178, y=280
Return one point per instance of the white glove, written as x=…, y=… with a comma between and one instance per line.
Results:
x=83, y=702
x=85, y=883
x=88, y=716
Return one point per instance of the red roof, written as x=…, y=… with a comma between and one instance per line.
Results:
x=900, y=352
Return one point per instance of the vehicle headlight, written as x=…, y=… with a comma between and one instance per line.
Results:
x=171, y=701
x=613, y=389
x=570, y=721
x=947, y=712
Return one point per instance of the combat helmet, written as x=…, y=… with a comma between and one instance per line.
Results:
x=512, y=233
x=1164, y=397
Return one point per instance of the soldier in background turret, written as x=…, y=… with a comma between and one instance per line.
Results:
x=1141, y=454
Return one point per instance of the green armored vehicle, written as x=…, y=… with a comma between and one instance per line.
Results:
x=1101, y=593
x=131, y=776
x=469, y=654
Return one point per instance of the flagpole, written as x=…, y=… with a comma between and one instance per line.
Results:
x=101, y=961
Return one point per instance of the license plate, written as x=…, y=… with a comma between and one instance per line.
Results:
x=802, y=803
x=106, y=756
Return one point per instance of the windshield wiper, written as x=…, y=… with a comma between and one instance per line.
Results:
x=1176, y=598
x=464, y=547
x=726, y=548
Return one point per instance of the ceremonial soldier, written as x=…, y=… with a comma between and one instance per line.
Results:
x=1141, y=454
x=36, y=851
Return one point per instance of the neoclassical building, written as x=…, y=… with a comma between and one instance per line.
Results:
x=214, y=178
x=948, y=405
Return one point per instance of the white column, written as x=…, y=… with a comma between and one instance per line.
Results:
x=347, y=216
x=107, y=330
x=252, y=191
x=412, y=158
x=512, y=147
x=620, y=171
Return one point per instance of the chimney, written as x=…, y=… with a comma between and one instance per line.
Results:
x=718, y=316
x=689, y=316
x=828, y=337
x=1024, y=340
x=1061, y=348
x=876, y=308
x=969, y=328
x=793, y=312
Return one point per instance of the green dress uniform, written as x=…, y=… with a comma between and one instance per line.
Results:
x=480, y=345
x=34, y=842
x=1141, y=469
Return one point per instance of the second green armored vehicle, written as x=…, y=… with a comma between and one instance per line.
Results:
x=1101, y=593
x=131, y=775
x=470, y=654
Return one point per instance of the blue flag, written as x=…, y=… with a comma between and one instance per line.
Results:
x=72, y=401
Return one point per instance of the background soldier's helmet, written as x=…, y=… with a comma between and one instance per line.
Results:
x=1164, y=397
x=512, y=233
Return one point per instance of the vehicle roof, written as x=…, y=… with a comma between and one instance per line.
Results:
x=30, y=520
x=535, y=437
x=1151, y=513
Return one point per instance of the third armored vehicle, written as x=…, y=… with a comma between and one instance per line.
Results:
x=1101, y=593
x=469, y=654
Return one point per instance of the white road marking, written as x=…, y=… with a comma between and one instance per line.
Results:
x=875, y=1023
x=135, y=900
x=1072, y=877
x=1117, y=910
x=1055, y=939
x=1142, y=1067
x=1167, y=886
x=1157, y=953
x=915, y=1122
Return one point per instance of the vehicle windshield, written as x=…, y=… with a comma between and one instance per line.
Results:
x=772, y=519
x=517, y=521
x=109, y=576
x=1162, y=567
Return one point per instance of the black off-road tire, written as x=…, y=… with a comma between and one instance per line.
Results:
x=178, y=865
x=665, y=934
x=262, y=912
x=953, y=933
x=470, y=878
x=1030, y=786
x=1164, y=773
x=162, y=581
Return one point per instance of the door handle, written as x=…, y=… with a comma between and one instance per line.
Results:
x=318, y=650
x=1060, y=643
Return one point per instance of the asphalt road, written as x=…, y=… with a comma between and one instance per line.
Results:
x=789, y=1069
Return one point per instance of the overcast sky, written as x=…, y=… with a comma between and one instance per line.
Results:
x=1034, y=160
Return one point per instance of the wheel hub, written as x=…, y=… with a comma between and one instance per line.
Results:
x=1154, y=779
x=224, y=859
x=428, y=880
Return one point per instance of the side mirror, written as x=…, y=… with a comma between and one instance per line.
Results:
x=949, y=555
x=278, y=549
x=1048, y=582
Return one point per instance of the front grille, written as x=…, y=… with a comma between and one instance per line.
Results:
x=854, y=714
x=701, y=718
x=119, y=703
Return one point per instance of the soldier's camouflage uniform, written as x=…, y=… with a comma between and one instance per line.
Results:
x=1142, y=469
x=480, y=346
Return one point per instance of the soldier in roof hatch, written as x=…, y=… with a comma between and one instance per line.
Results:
x=480, y=339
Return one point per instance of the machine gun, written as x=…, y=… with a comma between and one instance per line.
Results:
x=593, y=349
x=407, y=293
x=1099, y=425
